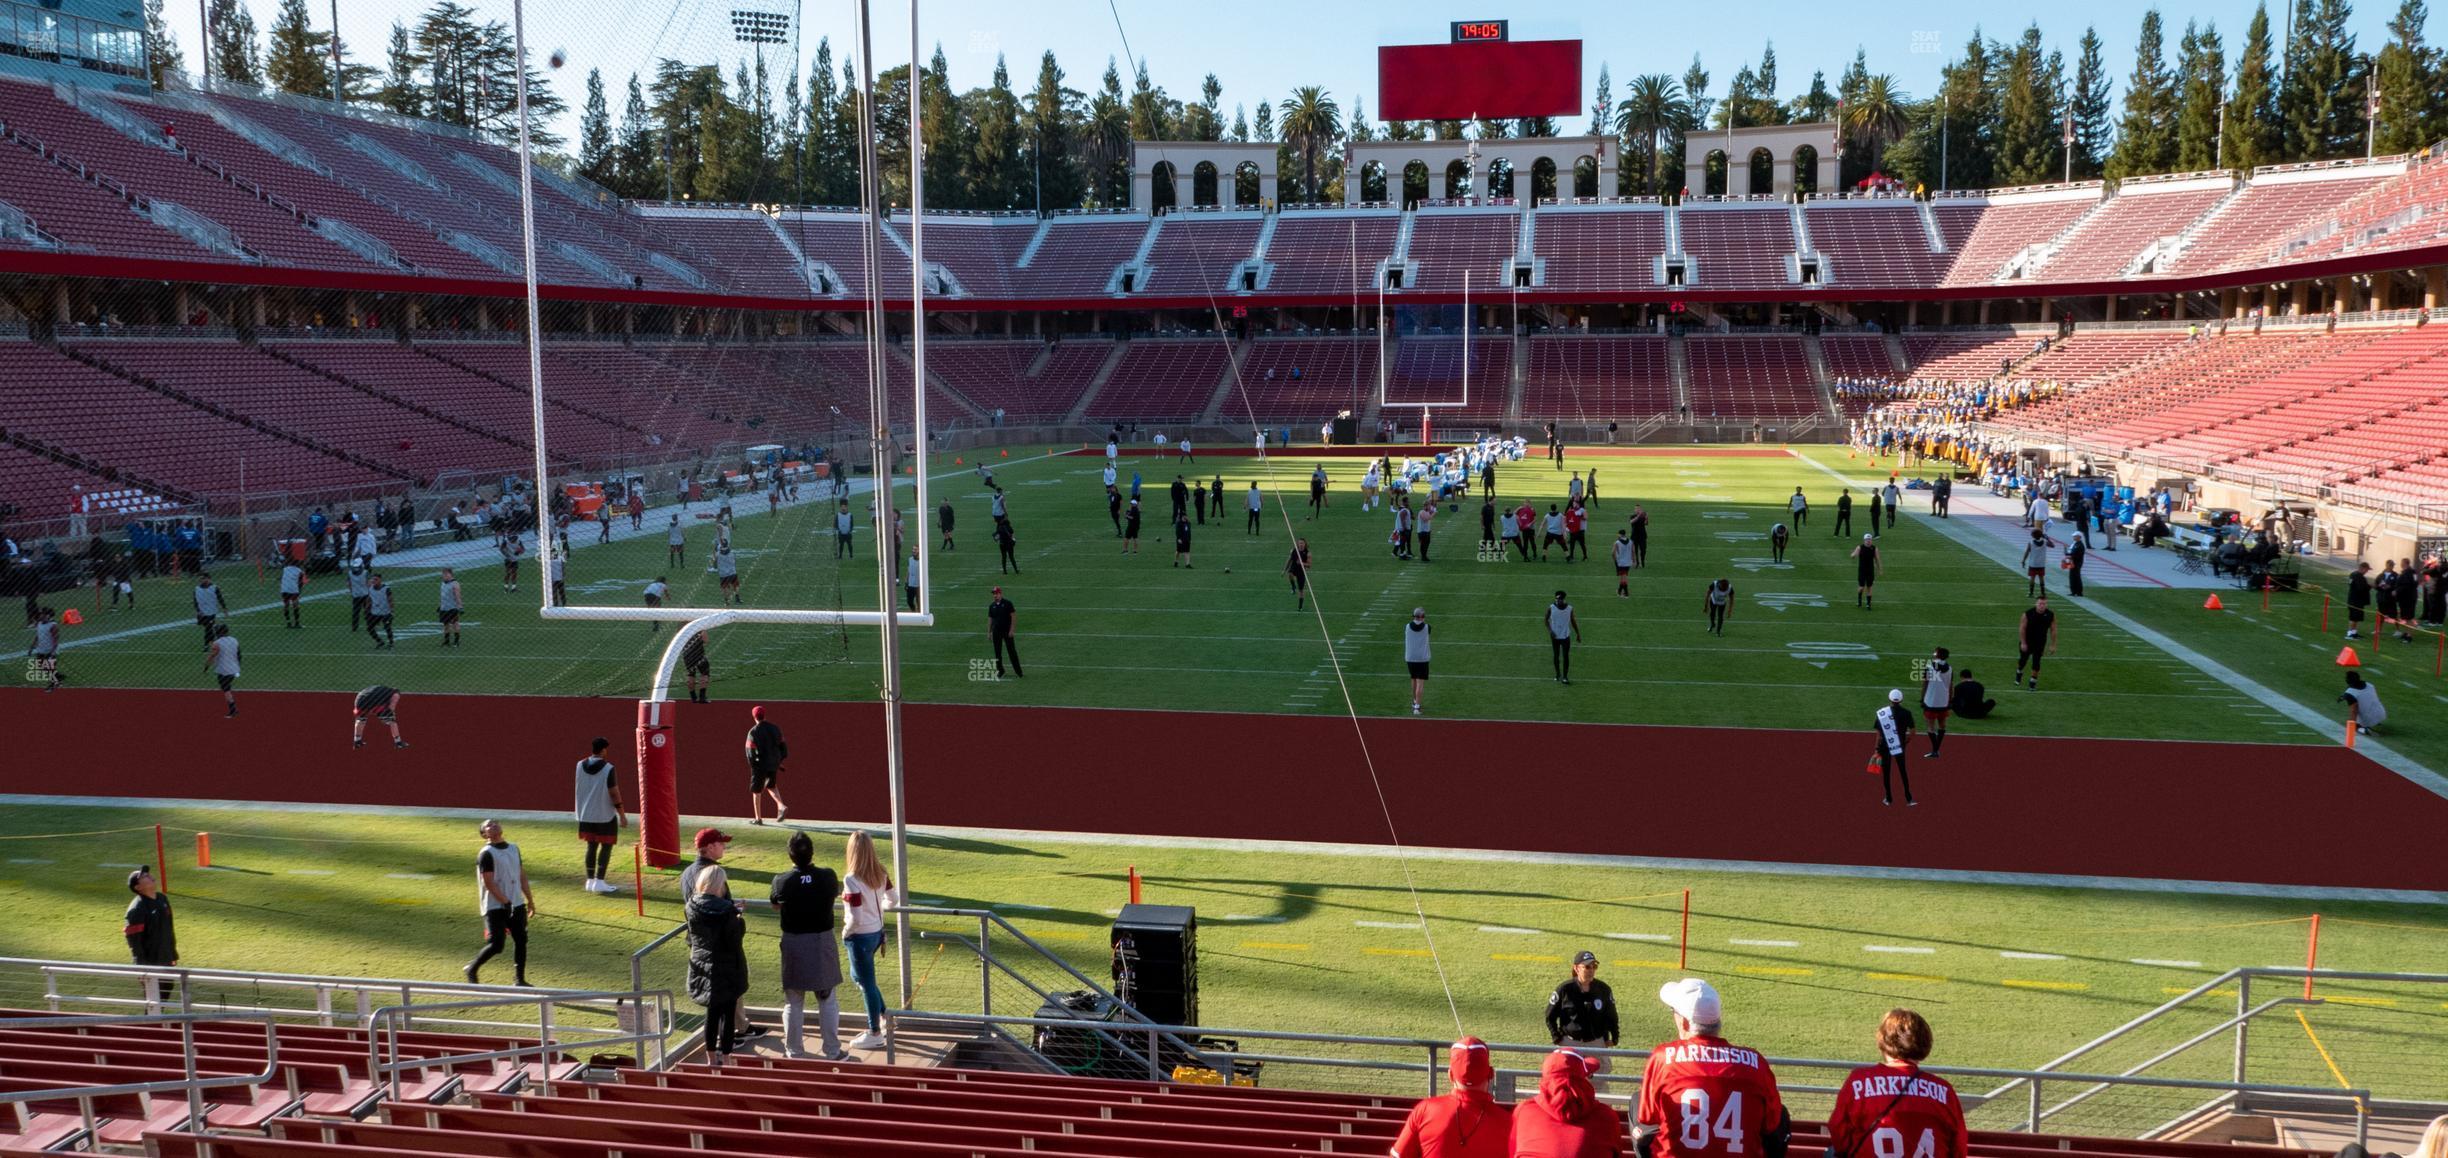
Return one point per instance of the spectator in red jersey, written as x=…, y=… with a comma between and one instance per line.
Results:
x=1566, y=1119
x=1892, y=1109
x=1703, y=1097
x=1467, y=1123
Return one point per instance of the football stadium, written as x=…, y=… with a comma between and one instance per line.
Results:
x=1104, y=521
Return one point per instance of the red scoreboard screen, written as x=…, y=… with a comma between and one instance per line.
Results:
x=1476, y=76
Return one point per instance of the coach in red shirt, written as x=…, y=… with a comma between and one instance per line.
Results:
x=1892, y=1109
x=1566, y=1120
x=1705, y=1097
x=1467, y=1123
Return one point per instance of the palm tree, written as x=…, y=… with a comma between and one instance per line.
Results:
x=1311, y=121
x=1656, y=105
x=1877, y=114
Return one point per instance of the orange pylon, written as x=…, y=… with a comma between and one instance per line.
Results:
x=2213, y=604
x=2347, y=658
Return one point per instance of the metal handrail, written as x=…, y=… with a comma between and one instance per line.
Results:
x=321, y=987
x=987, y=919
x=192, y=1084
x=2358, y=1098
x=388, y=1022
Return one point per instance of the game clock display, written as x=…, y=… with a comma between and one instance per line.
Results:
x=1464, y=30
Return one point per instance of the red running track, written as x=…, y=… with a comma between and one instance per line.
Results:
x=2262, y=814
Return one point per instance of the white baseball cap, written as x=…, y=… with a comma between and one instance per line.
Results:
x=1870, y=538
x=1895, y=695
x=1693, y=1000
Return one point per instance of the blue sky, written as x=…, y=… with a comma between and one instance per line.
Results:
x=1261, y=49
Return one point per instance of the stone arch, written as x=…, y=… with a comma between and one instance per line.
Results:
x=1715, y=182
x=1760, y=172
x=1543, y=179
x=1457, y=179
x=1806, y=169
x=1585, y=177
x=1161, y=196
x=1246, y=189
x=1203, y=184
x=1373, y=181
x=1415, y=183
x=1500, y=177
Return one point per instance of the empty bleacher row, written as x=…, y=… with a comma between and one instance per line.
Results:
x=2364, y=409
x=236, y=180
x=215, y=417
x=327, y=1105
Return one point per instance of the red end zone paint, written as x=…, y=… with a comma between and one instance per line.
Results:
x=2263, y=814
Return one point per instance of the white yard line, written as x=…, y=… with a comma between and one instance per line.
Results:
x=2320, y=723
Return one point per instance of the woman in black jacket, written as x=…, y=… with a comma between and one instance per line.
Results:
x=718, y=961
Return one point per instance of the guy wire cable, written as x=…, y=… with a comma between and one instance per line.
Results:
x=1351, y=711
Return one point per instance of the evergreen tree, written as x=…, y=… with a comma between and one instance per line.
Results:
x=2029, y=125
x=637, y=158
x=1855, y=163
x=2252, y=114
x=2202, y=72
x=298, y=59
x=1107, y=141
x=1696, y=107
x=1814, y=106
x=1602, y=105
x=2146, y=141
x=595, y=132
x=402, y=92
x=1357, y=124
x=2342, y=79
x=1050, y=125
x=1240, y=125
x=996, y=177
x=1967, y=120
x=2090, y=108
x=162, y=56
x=825, y=153
x=1262, y=125
x=234, y=53
x=947, y=134
x=2408, y=72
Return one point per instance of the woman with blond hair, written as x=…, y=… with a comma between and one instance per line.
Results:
x=867, y=890
x=717, y=960
x=2434, y=1142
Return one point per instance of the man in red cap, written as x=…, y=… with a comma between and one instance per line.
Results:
x=1566, y=1120
x=765, y=751
x=711, y=844
x=1467, y=1123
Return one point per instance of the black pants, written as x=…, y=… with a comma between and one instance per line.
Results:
x=1801, y=517
x=1717, y=614
x=500, y=923
x=845, y=545
x=722, y=1020
x=2074, y=579
x=357, y=609
x=1892, y=763
x=1844, y=523
x=1562, y=654
x=378, y=628
x=1424, y=536
x=1253, y=522
x=1010, y=562
x=1003, y=644
x=598, y=859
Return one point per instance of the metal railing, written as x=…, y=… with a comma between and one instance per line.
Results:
x=387, y=1023
x=1162, y=1043
x=1394, y=1055
x=192, y=1084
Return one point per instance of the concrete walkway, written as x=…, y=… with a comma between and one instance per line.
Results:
x=2001, y=535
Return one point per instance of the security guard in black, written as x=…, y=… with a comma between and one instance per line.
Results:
x=1582, y=1011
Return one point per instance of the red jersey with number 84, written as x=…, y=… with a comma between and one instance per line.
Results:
x=1896, y=1111
x=1709, y=1099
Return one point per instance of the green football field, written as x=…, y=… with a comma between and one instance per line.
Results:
x=1103, y=628
x=2009, y=975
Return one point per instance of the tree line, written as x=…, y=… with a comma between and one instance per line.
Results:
x=2006, y=112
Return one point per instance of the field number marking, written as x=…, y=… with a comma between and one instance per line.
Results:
x=1820, y=653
